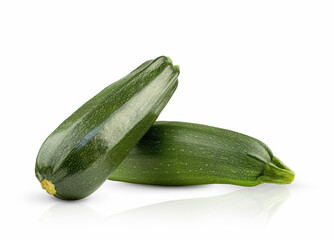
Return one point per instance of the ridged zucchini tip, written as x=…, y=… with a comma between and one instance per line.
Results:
x=171, y=61
x=277, y=172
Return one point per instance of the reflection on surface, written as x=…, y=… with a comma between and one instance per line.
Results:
x=72, y=213
x=255, y=205
x=249, y=205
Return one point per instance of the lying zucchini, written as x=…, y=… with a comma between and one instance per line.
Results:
x=88, y=146
x=176, y=153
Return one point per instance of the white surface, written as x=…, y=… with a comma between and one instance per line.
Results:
x=263, y=68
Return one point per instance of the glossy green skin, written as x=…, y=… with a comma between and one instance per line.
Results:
x=88, y=146
x=177, y=153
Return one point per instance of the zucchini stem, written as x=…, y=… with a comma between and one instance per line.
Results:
x=277, y=172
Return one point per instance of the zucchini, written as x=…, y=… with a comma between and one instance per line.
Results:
x=178, y=153
x=87, y=147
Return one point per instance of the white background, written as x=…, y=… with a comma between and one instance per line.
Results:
x=263, y=68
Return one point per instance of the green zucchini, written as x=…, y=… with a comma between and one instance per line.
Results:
x=87, y=147
x=177, y=153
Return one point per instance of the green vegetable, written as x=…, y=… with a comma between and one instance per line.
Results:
x=176, y=153
x=88, y=146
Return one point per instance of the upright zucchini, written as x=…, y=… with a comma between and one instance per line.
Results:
x=88, y=146
x=176, y=153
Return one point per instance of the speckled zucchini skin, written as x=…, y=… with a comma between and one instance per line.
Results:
x=177, y=153
x=88, y=146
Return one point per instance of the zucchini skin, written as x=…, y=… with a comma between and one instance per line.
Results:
x=178, y=153
x=87, y=147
